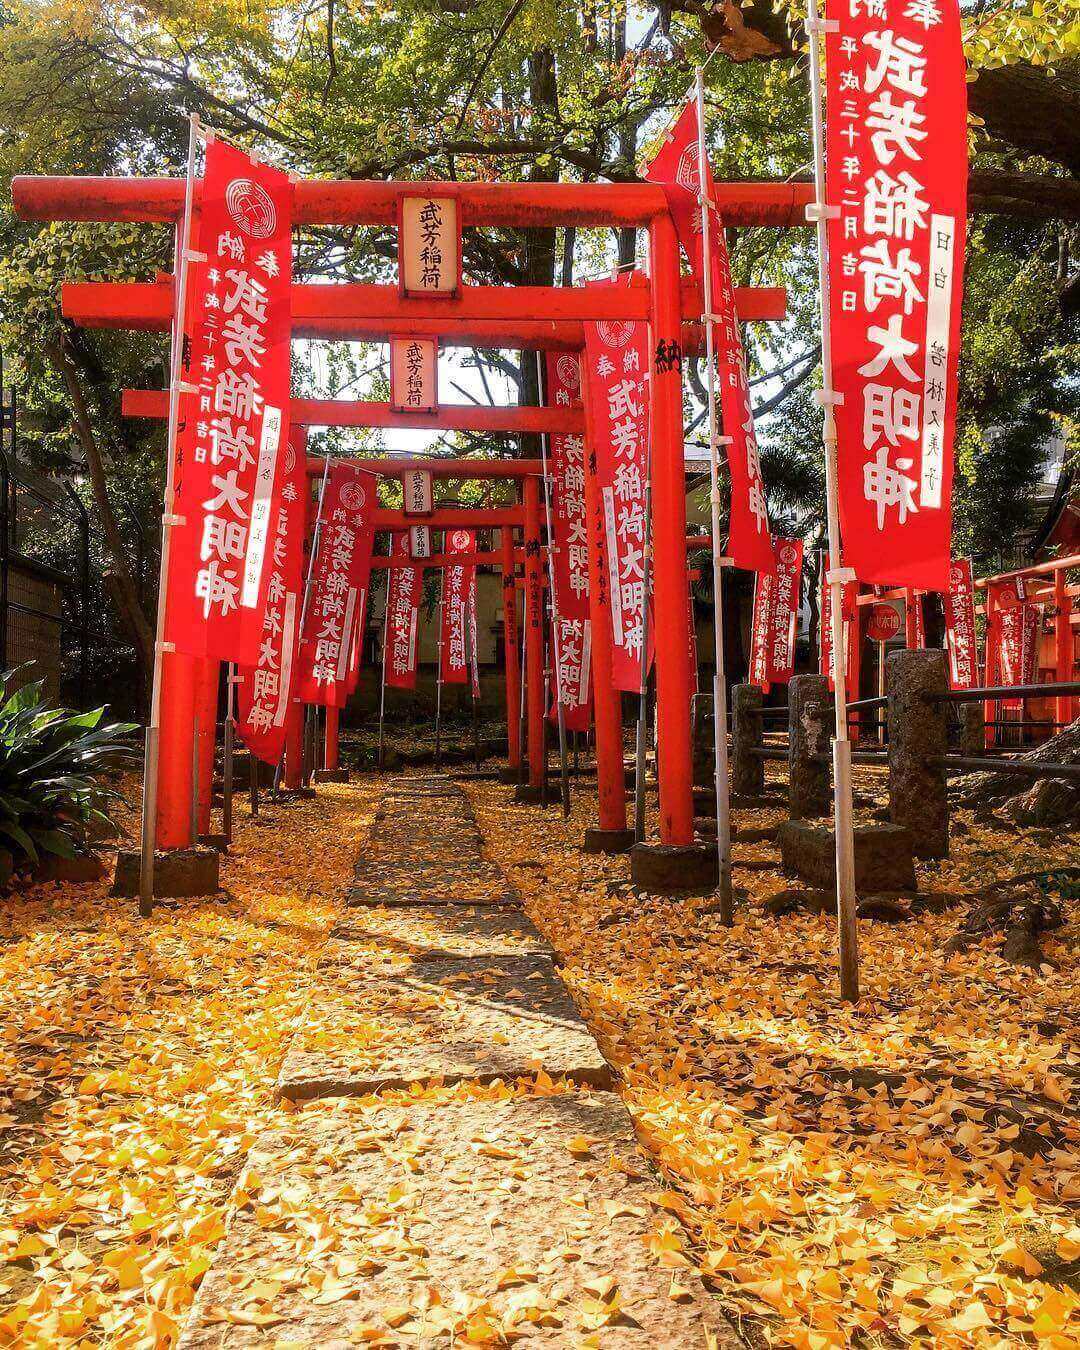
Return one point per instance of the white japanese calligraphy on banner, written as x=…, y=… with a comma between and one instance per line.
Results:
x=896, y=169
x=571, y=552
x=233, y=409
x=617, y=360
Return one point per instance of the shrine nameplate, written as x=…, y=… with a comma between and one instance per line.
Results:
x=429, y=246
x=414, y=377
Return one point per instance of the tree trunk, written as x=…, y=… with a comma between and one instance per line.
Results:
x=118, y=576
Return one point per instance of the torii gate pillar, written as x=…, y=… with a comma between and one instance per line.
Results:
x=678, y=863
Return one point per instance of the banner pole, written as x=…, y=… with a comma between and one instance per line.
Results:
x=642, y=731
x=438, y=676
x=842, y=805
x=523, y=715
x=153, y=727
x=553, y=606
x=720, y=747
x=230, y=741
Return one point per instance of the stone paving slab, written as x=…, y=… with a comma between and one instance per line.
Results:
x=398, y=884
x=393, y=1226
x=427, y=932
x=480, y=1019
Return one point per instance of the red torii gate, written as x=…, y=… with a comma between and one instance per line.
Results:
x=354, y=202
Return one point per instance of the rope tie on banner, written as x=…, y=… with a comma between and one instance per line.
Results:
x=821, y=25
x=840, y=574
x=828, y=398
x=171, y=519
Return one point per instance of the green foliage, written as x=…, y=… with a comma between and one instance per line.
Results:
x=52, y=762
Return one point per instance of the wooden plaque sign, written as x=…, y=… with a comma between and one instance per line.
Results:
x=414, y=375
x=419, y=541
x=416, y=492
x=429, y=246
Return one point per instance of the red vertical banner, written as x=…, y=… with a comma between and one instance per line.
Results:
x=761, y=629
x=265, y=689
x=233, y=410
x=776, y=613
x=474, y=649
x=457, y=584
x=676, y=167
x=915, y=622
x=570, y=559
x=616, y=362
x=960, y=636
x=340, y=581
x=896, y=169
x=848, y=605
x=402, y=618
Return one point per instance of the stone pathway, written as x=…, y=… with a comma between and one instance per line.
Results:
x=528, y=1217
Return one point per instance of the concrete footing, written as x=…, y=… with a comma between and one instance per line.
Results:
x=608, y=841
x=217, y=842
x=668, y=869
x=883, y=856
x=177, y=872
x=331, y=775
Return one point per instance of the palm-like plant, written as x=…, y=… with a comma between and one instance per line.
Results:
x=53, y=796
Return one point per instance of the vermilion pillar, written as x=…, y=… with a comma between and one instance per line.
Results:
x=674, y=752
x=534, y=632
x=607, y=706
x=1063, y=644
x=510, y=649
x=206, y=703
x=330, y=745
x=176, y=750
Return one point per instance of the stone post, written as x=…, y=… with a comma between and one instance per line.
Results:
x=917, y=732
x=972, y=729
x=809, y=727
x=747, y=768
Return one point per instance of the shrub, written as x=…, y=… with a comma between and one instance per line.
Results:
x=52, y=766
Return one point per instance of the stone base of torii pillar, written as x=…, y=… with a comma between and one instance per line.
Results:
x=673, y=869
x=177, y=872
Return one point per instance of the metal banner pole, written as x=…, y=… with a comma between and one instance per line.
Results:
x=720, y=747
x=819, y=213
x=153, y=727
x=227, y=766
x=560, y=711
x=253, y=785
x=438, y=677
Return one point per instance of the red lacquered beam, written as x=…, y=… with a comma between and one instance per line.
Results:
x=438, y=468
x=370, y=313
x=359, y=202
x=452, y=518
x=327, y=412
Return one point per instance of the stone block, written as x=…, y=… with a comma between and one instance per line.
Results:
x=675, y=869
x=883, y=856
x=747, y=768
x=608, y=841
x=476, y=1019
x=177, y=872
x=430, y=932
x=331, y=775
x=918, y=799
x=810, y=720
x=554, y=1188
